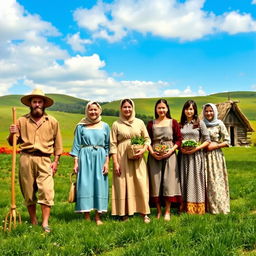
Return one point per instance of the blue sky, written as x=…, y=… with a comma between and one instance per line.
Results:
x=106, y=50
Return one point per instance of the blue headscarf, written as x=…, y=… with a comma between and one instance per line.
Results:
x=215, y=121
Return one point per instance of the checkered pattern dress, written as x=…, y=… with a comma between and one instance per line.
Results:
x=192, y=170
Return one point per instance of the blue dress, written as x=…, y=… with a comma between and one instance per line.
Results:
x=91, y=146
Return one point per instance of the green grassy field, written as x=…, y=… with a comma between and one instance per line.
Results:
x=143, y=106
x=217, y=235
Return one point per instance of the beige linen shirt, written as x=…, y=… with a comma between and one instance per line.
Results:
x=45, y=136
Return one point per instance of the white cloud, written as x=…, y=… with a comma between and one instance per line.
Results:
x=77, y=43
x=5, y=85
x=115, y=74
x=76, y=68
x=201, y=91
x=93, y=18
x=23, y=44
x=183, y=93
x=104, y=89
x=253, y=1
x=186, y=21
x=253, y=87
x=234, y=23
x=27, y=55
x=17, y=24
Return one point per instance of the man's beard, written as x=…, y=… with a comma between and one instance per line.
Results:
x=36, y=112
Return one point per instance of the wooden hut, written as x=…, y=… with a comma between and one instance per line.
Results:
x=237, y=124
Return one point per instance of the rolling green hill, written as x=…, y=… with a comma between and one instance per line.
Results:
x=247, y=102
x=14, y=100
x=67, y=121
x=63, y=103
x=143, y=106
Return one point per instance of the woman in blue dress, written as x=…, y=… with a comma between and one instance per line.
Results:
x=90, y=151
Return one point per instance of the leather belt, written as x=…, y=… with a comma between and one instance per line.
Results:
x=35, y=153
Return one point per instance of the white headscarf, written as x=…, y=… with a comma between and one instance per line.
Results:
x=215, y=121
x=87, y=120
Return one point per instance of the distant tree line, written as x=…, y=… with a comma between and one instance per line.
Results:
x=79, y=109
x=113, y=112
x=69, y=108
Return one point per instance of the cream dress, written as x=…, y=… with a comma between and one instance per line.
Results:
x=216, y=173
x=130, y=191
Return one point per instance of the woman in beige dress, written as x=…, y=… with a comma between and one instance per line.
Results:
x=130, y=188
x=217, y=189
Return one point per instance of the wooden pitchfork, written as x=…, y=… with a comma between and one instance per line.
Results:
x=12, y=214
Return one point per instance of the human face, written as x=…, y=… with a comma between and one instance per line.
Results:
x=93, y=111
x=161, y=110
x=126, y=110
x=189, y=112
x=209, y=113
x=37, y=107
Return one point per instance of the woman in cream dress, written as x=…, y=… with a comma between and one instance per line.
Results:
x=130, y=188
x=217, y=189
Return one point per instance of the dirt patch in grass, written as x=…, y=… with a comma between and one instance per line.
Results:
x=247, y=253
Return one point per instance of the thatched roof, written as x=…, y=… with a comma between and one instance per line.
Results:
x=225, y=107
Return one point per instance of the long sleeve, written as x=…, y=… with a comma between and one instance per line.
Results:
x=77, y=142
x=9, y=138
x=58, y=149
x=204, y=133
x=224, y=134
x=113, y=139
x=177, y=138
x=107, y=139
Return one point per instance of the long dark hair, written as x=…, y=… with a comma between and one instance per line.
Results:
x=183, y=117
x=168, y=114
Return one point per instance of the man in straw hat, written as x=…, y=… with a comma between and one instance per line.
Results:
x=39, y=137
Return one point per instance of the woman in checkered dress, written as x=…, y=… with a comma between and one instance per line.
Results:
x=192, y=160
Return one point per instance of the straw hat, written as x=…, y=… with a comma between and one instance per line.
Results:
x=26, y=100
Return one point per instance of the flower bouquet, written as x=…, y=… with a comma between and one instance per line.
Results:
x=189, y=144
x=161, y=149
x=137, y=143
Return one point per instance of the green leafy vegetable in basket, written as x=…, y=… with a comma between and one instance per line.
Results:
x=138, y=140
x=189, y=143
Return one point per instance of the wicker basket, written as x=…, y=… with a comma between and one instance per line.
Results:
x=161, y=149
x=188, y=148
x=132, y=150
